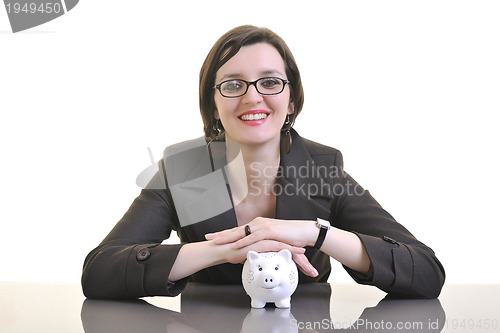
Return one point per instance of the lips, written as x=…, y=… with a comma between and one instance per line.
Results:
x=254, y=117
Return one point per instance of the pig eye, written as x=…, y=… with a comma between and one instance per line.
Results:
x=276, y=268
x=260, y=268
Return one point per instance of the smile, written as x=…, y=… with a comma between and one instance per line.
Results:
x=254, y=116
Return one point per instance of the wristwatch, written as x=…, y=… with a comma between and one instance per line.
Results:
x=323, y=227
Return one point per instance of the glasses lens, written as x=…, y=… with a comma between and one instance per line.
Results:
x=233, y=88
x=270, y=86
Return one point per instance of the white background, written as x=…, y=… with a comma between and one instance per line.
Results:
x=407, y=90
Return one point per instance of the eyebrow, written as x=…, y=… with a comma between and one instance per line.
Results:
x=239, y=76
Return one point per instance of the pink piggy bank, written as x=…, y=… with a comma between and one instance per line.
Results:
x=270, y=277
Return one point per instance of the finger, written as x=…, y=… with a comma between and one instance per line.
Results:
x=274, y=246
x=237, y=233
x=218, y=234
x=226, y=236
x=256, y=236
x=296, y=250
x=248, y=240
x=304, y=265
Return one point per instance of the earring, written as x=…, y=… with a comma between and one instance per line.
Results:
x=286, y=141
x=287, y=120
x=218, y=129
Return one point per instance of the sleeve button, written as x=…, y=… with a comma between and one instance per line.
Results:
x=143, y=254
x=389, y=240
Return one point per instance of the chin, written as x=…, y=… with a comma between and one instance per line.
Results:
x=256, y=139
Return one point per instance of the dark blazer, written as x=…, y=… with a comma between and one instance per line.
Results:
x=132, y=262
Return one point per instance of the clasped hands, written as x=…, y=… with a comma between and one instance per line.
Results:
x=269, y=235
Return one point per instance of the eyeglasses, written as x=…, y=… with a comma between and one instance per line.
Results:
x=264, y=86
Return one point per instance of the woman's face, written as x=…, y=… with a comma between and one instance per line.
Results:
x=253, y=119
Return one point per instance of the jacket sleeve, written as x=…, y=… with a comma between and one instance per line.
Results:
x=131, y=262
x=401, y=265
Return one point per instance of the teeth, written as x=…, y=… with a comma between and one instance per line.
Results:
x=257, y=116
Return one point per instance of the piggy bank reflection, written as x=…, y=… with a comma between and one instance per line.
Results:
x=270, y=277
x=269, y=321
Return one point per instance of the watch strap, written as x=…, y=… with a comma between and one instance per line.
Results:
x=323, y=228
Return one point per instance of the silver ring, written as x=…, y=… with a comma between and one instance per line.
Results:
x=247, y=230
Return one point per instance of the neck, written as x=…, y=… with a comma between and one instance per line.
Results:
x=255, y=156
x=260, y=164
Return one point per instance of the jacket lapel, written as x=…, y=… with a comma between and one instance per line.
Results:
x=300, y=186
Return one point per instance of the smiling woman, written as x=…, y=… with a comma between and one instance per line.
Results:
x=250, y=96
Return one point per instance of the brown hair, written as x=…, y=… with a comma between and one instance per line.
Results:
x=224, y=49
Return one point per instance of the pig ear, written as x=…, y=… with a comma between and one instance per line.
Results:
x=286, y=254
x=251, y=256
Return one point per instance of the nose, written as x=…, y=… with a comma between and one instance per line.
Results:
x=252, y=95
x=269, y=281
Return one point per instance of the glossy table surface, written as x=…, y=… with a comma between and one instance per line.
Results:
x=28, y=307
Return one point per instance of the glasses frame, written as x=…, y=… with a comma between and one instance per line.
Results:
x=254, y=83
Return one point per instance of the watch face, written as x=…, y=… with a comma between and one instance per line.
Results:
x=323, y=223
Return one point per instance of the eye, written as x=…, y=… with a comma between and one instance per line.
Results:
x=232, y=85
x=260, y=268
x=270, y=83
x=276, y=268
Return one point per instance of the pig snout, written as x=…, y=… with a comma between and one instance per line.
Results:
x=269, y=281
